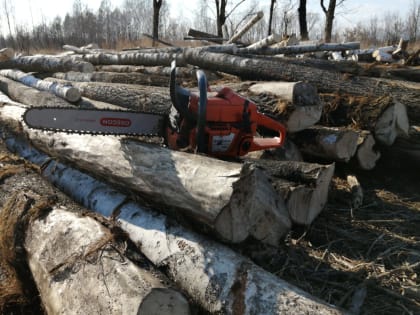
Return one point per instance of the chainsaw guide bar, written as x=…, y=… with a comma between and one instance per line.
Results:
x=95, y=121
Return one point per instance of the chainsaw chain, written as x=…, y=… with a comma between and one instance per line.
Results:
x=97, y=133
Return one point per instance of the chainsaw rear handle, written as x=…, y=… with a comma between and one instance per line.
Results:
x=202, y=111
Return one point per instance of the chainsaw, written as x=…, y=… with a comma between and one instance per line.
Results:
x=223, y=124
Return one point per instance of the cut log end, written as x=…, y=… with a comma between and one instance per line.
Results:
x=366, y=154
x=164, y=301
x=268, y=221
x=306, y=203
x=72, y=94
x=392, y=123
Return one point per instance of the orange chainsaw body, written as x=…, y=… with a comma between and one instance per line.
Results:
x=231, y=123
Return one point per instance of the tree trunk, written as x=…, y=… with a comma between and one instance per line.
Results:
x=329, y=18
x=157, y=4
x=78, y=270
x=234, y=201
x=328, y=143
x=304, y=186
x=270, y=19
x=70, y=94
x=303, y=25
x=114, y=77
x=28, y=95
x=214, y=276
x=220, y=16
x=46, y=64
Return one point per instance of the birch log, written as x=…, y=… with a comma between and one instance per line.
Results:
x=232, y=200
x=69, y=93
x=299, y=49
x=40, y=63
x=269, y=40
x=329, y=143
x=304, y=186
x=131, y=58
x=78, y=270
x=218, y=279
x=246, y=27
x=28, y=95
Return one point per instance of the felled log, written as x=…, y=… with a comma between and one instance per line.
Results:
x=364, y=55
x=240, y=32
x=131, y=58
x=69, y=93
x=215, y=277
x=395, y=73
x=114, y=77
x=299, y=49
x=304, y=186
x=232, y=200
x=28, y=95
x=76, y=50
x=136, y=97
x=283, y=70
x=40, y=63
x=367, y=154
x=79, y=270
x=329, y=143
x=296, y=104
x=385, y=117
x=204, y=36
x=269, y=40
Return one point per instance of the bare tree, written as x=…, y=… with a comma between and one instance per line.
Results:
x=270, y=21
x=329, y=16
x=303, y=25
x=157, y=4
x=8, y=12
x=222, y=14
x=413, y=21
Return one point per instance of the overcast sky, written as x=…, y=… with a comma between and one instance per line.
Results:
x=28, y=11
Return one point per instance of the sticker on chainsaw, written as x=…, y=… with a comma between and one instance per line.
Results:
x=116, y=122
x=222, y=143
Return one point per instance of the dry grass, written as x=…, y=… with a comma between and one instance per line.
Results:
x=366, y=260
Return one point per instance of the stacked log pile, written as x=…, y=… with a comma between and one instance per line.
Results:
x=331, y=118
